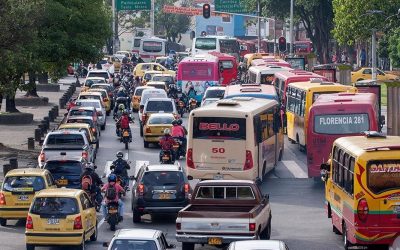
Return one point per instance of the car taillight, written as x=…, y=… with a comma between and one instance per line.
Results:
x=248, y=164
x=148, y=130
x=84, y=154
x=140, y=189
x=252, y=226
x=78, y=222
x=362, y=209
x=178, y=226
x=42, y=157
x=29, y=223
x=189, y=158
x=2, y=199
x=187, y=190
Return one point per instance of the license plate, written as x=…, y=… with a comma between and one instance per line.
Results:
x=53, y=221
x=113, y=211
x=62, y=182
x=23, y=197
x=218, y=177
x=165, y=196
x=396, y=209
x=214, y=241
x=165, y=158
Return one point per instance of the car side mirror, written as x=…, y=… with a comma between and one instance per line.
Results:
x=325, y=167
x=106, y=244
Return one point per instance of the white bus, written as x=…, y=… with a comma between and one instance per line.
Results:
x=152, y=47
x=239, y=138
x=222, y=44
x=136, y=45
x=264, y=74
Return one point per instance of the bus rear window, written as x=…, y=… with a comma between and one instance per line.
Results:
x=152, y=46
x=341, y=124
x=219, y=128
x=383, y=175
x=197, y=71
x=267, y=78
x=206, y=43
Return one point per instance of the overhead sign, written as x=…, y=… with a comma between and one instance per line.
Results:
x=133, y=5
x=231, y=6
x=188, y=11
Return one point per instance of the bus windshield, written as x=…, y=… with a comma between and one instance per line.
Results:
x=228, y=46
x=151, y=46
x=332, y=124
x=383, y=175
x=197, y=71
x=206, y=43
x=219, y=128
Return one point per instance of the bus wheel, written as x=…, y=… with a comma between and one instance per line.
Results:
x=346, y=243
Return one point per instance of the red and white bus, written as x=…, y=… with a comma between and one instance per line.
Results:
x=337, y=115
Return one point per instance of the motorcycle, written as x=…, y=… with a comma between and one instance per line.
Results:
x=192, y=104
x=166, y=157
x=179, y=151
x=125, y=138
x=112, y=217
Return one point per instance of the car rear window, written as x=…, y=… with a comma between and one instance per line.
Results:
x=65, y=139
x=156, y=106
x=88, y=104
x=161, y=120
x=162, y=178
x=383, y=175
x=126, y=244
x=98, y=74
x=157, y=86
x=81, y=113
x=64, y=167
x=85, y=97
x=138, y=92
x=219, y=128
x=167, y=79
x=23, y=183
x=240, y=193
x=218, y=93
x=87, y=121
x=57, y=206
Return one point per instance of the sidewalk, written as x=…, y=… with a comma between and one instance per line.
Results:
x=15, y=137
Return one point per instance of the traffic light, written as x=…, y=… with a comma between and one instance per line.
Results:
x=206, y=11
x=282, y=44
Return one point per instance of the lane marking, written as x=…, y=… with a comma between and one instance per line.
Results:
x=100, y=223
x=295, y=169
x=126, y=157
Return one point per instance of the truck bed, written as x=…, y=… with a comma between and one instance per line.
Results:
x=226, y=209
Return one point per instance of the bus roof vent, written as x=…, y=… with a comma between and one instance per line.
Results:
x=250, y=90
x=326, y=83
x=227, y=102
x=374, y=134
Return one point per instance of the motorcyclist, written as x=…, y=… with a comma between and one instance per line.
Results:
x=122, y=93
x=140, y=60
x=121, y=168
x=166, y=143
x=96, y=181
x=126, y=66
x=172, y=91
x=123, y=123
x=118, y=110
x=178, y=132
x=192, y=92
x=112, y=182
x=169, y=62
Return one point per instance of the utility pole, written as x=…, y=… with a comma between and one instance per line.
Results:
x=259, y=25
x=373, y=42
x=152, y=18
x=113, y=25
x=275, y=36
x=291, y=28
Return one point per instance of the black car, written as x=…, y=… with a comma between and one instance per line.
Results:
x=159, y=189
x=66, y=172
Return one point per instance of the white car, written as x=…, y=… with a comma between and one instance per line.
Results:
x=214, y=92
x=101, y=112
x=258, y=245
x=147, y=239
x=100, y=73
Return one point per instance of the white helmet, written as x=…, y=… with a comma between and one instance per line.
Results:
x=167, y=131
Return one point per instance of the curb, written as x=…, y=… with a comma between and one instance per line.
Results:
x=47, y=87
x=31, y=101
x=16, y=118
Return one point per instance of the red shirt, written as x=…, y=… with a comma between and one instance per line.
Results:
x=124, y=122
x=166, y=142
x=118, y=189
x=177, y=131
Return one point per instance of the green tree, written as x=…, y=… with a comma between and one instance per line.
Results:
x=173, y=25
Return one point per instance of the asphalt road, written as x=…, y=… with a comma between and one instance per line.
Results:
x=298, y=215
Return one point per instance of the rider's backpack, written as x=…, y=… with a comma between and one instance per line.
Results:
x=111, y=192
x=87, y=182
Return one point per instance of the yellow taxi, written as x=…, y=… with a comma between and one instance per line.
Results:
x=18, y=189
x=82, y=126
x=141, y=68
x=154, y=127
x=106, y=98
x=366, y=74
x=60, y=217
x=137, y=96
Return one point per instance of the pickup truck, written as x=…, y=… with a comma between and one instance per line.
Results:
x=223, y=211
x=66, y=144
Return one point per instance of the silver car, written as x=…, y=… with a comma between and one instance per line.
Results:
x=101, y=112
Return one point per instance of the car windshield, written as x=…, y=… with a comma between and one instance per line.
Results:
x=98, y=74
x=65, y=139
x=161, y=119
x=87, y=121
x=88, y=104
x=157, y=86
x=162, y=178
x=84, y=97
x=58, y=206
x=127, y=244
x=23, y=183
x=167, y=79
x=81, y=112
x=217, y=93
x=64, y=167
x=156, y=106
x=383, y=175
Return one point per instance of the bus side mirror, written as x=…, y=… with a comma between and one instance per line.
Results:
x=325, y=167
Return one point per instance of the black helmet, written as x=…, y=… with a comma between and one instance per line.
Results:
x=120, y=154
x=125, y=60
x=180, y=121
x=174, y=122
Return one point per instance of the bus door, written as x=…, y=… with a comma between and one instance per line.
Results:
x=219, y=143
x=266, y=142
